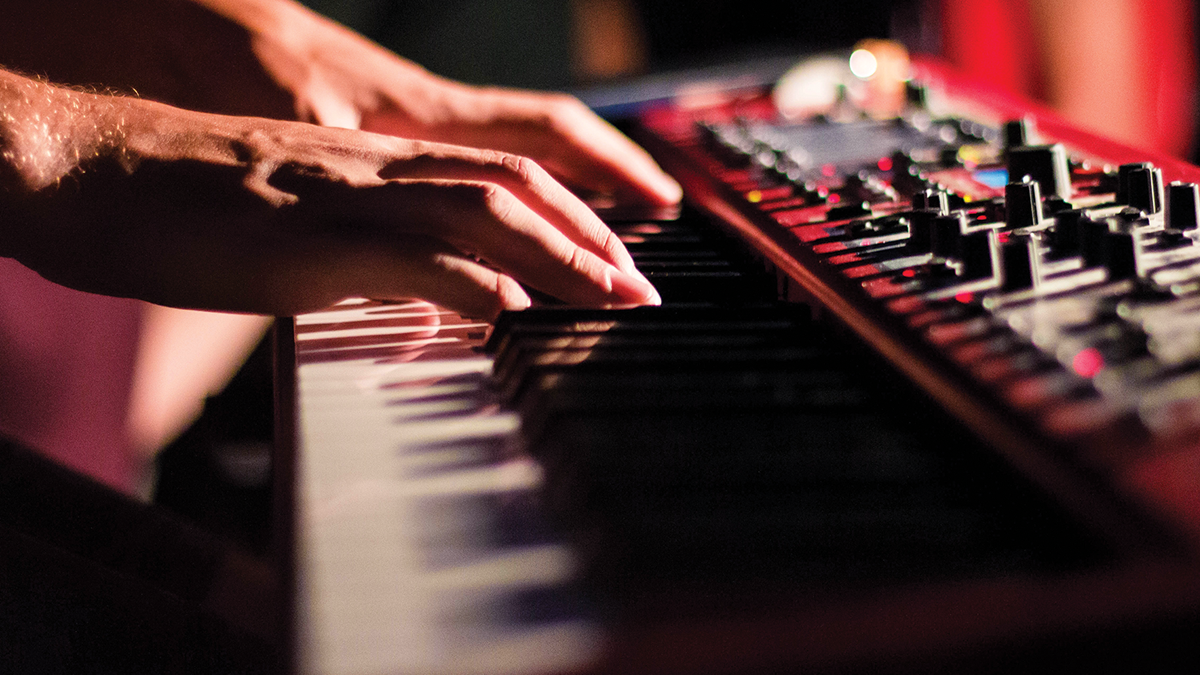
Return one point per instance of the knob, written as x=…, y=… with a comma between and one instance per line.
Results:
x=936, y=200
x=1183, y=207
x=1107, y=244
x=978, y=254
x=1145, y=189
x=1023, y=204
x=920, y=230
x=1016, y=133
x=1066, y=238
x=1123, y=171
x=916, y=94
x=1017, y=262
x=1045, y=164
x=947, y=233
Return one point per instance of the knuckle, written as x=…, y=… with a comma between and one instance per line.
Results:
x=611, y=243
x=522, y=169
x=499, y=202
x=582, y=262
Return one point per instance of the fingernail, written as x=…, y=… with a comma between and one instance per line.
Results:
x=670, y=189
x=634, y=289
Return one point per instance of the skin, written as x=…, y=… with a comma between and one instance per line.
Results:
x=128, y=197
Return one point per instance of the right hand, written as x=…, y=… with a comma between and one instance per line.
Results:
x=243, y=214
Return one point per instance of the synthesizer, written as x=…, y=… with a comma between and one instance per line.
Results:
x=922, y=396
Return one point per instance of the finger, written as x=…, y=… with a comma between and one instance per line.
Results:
x=429, y=269
x=485, y=220
x=556, y=130
x=592, y=153
x=528, y=182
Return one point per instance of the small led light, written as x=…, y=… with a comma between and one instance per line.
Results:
x=863, y=64
x=1088, y=363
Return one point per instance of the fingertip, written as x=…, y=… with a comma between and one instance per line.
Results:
x=512, y=296
x=667, y=189
x=633, y=289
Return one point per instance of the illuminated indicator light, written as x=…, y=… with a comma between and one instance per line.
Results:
x=828, y=170
x=964, y=297
x=885, y=164
x=1088, y=362
x=823, y=191
x=754, y=196
x=834, y=199
x=909, y=273
x=863, y=64
x=968, y=198
x=1003, y=237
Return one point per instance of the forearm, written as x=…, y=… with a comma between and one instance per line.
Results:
x=44, y=133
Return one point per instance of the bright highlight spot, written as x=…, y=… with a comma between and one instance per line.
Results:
x=834, y=198
x=909, y=273
x=1088, y=362
x=754, y=196
x=885, y=164
x=863, y=64
x=964, y=297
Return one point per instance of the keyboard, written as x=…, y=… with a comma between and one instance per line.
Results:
x=919, y=398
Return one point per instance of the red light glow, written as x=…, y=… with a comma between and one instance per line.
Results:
x=885, y=164
x=909, y=273
x=964, y=298
x=1088, y=363
x=828, y=170
x=834, y=198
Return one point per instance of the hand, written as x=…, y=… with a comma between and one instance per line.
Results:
x=133, y=198
x=338, y=78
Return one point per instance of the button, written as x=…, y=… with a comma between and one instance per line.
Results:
x=1123, y=172
x=1017, y=260
x=1145, y=189
x=1183, y=207
x=1016, y=133
x=1023, y=203
x=936, y=200
x=1045, y=164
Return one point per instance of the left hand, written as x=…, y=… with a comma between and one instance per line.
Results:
x=339, y=78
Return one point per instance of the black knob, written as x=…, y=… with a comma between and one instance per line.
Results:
x=1066, y=238
x=1145, y=189
x=1045, y=164
x=937, y=200
x=1110, y=245
x=947, y=233
x=916, y=94
x=1017, y=262
x=920, y=230
x=978, y=254
x=1023, y=204
x=1183, y=207
x=1016, y=134
x=1123, y=171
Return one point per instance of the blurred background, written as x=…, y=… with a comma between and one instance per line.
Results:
x=1125, y=68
